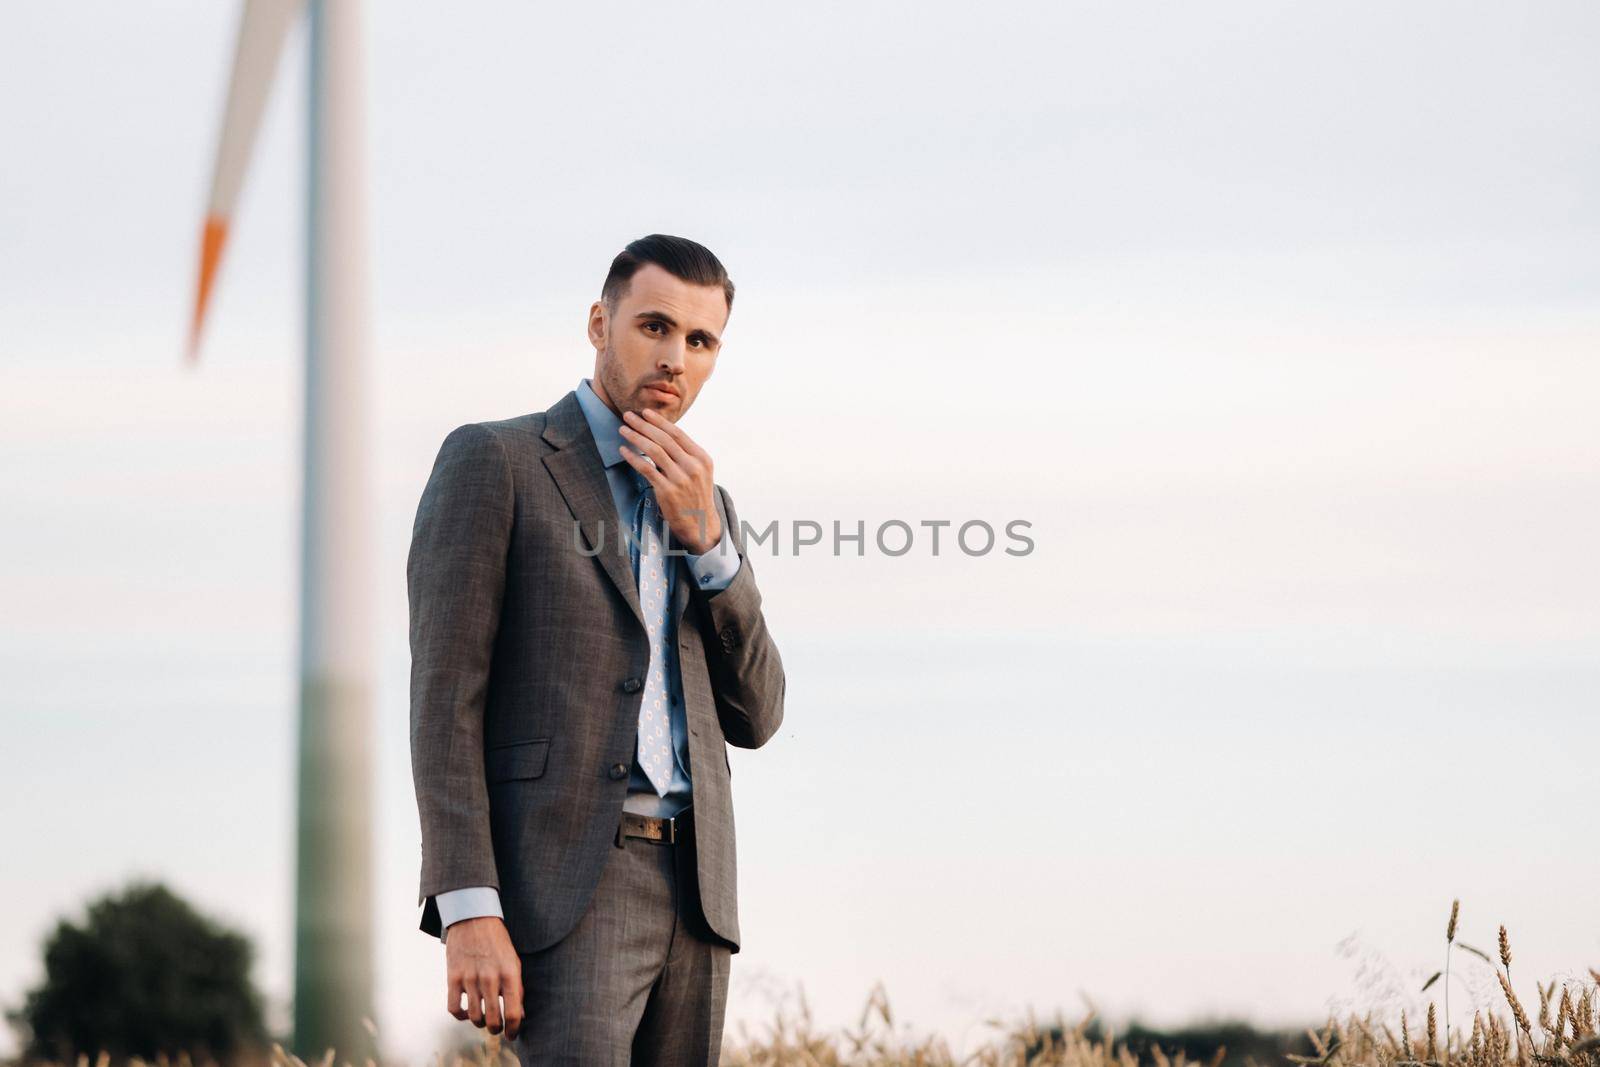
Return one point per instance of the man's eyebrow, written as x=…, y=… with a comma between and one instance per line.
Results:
x=670, y=321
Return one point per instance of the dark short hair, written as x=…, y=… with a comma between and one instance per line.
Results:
x=682, y=258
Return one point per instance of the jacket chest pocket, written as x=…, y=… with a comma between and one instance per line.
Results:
x=516, y=759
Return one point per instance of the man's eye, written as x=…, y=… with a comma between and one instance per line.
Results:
x=650, y=324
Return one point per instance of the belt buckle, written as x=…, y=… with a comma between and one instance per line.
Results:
x=647, y=827
x=652, y=827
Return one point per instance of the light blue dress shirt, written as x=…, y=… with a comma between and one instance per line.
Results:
x=713, y=571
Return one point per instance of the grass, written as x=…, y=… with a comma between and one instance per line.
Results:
x=1562, y=1033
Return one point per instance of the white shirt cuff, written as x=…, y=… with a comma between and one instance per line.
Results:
x=468, y=903
x=715, y=569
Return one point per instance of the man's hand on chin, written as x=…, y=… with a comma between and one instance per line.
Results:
x=481, y=962
x=680, y=471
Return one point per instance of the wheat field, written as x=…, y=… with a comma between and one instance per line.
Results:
x=1559, y=1033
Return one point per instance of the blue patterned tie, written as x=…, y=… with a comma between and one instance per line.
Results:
x=655, y=725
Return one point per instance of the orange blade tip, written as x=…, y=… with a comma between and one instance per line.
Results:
x=212, y=239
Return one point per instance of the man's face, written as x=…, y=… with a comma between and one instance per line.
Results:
x=660, y=344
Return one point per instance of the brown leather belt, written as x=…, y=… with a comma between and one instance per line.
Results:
x=664, y=831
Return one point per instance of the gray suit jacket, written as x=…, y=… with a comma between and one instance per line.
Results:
x=527, y=652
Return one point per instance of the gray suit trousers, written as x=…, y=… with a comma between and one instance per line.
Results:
x=641, y=980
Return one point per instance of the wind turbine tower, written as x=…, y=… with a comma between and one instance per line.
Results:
x=333, y=971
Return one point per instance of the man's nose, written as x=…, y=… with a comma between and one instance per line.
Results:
x=671, y=357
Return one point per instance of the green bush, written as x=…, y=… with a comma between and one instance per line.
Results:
x=143, y=975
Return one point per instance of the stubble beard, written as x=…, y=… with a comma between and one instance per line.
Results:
x=610, y=377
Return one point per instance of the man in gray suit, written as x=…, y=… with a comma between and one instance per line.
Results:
x=586, y=640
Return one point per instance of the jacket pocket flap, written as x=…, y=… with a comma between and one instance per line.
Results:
x=518, y=759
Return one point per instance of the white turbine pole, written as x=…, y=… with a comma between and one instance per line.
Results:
x=333, y=939
x=333, y=880
x=333, y=923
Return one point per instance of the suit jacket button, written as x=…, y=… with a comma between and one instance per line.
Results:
x=619, y=770
x=632, y=685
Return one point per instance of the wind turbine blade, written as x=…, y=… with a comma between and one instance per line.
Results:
x=263, y=25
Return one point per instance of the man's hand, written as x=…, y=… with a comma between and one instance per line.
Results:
x=680, y=474
x=481, y=962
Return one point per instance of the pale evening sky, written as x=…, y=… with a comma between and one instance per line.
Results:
x=1278, y=324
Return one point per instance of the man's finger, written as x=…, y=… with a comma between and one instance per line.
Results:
x=474, y=1001
x=655, y=449
x=652, y=473
x=512, y=991
x=654, y=431
x=678, y=433
x=454, y=989
x=491, y=999
x=640, y=445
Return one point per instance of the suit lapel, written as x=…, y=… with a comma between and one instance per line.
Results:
x=581, y=477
